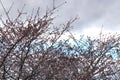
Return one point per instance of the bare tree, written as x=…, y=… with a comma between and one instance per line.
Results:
x=31, y=49
x=96, y=57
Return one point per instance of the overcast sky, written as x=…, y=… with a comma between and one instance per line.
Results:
x=92, y=13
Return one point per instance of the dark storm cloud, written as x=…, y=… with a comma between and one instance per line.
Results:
x=91, y=12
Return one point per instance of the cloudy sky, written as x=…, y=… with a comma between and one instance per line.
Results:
x=93, y=14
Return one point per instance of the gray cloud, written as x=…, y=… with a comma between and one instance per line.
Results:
x=91, y=12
